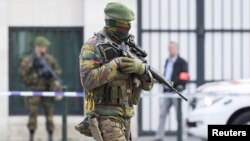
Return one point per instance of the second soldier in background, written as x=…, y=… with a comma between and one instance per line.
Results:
x=39, y=77
x=112, y=83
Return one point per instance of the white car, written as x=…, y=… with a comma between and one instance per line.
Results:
x=226, y=102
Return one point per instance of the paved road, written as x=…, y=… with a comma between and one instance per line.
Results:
x=170, y=138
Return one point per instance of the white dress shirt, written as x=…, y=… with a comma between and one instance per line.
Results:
x=169, y=67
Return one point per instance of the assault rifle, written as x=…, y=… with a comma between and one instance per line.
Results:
x=44, y=69
x=129, y=49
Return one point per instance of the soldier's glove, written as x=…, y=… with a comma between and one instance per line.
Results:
x=130, y=65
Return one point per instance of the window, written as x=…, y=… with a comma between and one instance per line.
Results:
x=65, y=47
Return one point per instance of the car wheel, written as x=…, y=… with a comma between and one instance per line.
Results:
x=242, y=119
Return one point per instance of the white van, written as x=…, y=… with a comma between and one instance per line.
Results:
x=226, y=102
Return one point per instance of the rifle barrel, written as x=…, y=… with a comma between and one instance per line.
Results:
x=161, y=79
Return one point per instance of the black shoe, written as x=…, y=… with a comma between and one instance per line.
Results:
x=158, y=140
x=50, y=136
x=32, y=135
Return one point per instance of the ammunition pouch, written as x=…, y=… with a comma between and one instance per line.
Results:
x=135, y=96
x=135, y=86
x=117, y=92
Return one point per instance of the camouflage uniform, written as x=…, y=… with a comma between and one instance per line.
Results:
x=110, y=94
x=34, y=82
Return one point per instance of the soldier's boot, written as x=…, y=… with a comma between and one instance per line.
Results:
x=32, y=135
x=50, y=136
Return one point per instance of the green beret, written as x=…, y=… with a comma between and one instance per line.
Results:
x=41, y=41
x=119, y=11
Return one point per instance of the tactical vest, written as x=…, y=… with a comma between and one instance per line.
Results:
x=116, y=97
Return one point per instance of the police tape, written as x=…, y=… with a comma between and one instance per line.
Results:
x=144, y=94
x=49, y=94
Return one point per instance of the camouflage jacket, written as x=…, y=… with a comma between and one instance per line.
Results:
x=29, y=74
x=104, y=85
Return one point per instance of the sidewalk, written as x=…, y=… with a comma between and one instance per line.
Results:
x=169, y=138
x=18, y=131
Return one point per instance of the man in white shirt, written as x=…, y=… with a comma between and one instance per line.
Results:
x=176, y=70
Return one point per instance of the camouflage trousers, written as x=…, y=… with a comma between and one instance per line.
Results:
x=33, y=104
x=113, y=129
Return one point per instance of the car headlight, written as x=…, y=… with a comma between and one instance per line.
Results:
x=207, y=101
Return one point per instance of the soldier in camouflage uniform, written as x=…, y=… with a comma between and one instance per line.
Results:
x=40, y=79
x=112, y=83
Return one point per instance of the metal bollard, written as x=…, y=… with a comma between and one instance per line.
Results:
x=179, y=119
x=64, y=119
